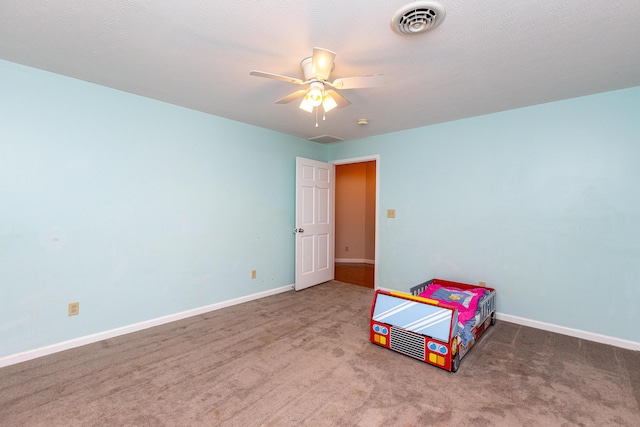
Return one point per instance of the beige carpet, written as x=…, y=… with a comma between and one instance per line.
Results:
x=304, y=359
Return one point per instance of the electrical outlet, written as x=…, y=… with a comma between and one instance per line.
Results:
x=74, y=308
x=391, y=213
x=346, y=248
x=483, y=284
x=253, y=274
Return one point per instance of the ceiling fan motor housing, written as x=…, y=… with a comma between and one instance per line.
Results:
x=307, y=68
x=306, y=65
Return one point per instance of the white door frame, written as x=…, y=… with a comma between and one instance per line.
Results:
x=375, y=157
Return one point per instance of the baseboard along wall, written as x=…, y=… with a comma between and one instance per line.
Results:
x=89, y=339
x=577, y=333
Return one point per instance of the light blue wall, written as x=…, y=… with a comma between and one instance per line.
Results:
x=543, y=203
x=135, y=208
x=140, y=209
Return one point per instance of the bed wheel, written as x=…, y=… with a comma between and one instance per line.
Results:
x=493, y=318
x=455, y=363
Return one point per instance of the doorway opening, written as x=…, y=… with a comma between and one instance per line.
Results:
x=356, y=207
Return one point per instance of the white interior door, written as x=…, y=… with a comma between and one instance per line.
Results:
x=315, y=188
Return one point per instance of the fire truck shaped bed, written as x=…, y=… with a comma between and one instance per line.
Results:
x=437, y=323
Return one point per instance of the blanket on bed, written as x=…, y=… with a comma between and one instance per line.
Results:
x=466, y=301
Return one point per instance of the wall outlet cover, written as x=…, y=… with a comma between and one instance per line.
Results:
x=74, y=308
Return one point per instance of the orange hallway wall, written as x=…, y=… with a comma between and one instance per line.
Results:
x=355, y=212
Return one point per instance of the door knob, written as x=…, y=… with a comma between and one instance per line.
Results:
x=298, y=230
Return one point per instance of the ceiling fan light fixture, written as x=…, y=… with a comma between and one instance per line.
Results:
x=316, y=90
x=317, y=69
x=306, y=104
x=328, y=103
x=314, y=97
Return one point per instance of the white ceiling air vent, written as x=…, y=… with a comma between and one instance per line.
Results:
x=418, y=17
x=325, y=139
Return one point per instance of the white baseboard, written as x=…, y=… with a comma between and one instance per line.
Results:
x=590, y=336
x=89, y=339
x=355, y=261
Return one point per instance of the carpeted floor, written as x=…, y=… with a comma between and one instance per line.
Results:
x=304, y=359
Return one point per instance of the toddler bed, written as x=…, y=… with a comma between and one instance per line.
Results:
x=437, y=323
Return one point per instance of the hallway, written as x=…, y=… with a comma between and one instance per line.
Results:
x=355, y=274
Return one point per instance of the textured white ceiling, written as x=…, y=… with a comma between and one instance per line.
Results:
x=485, y=57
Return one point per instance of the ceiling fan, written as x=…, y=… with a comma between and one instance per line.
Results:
x=316, y=70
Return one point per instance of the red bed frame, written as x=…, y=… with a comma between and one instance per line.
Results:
x=425, y=328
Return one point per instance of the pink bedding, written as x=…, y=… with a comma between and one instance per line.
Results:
x=465, y=300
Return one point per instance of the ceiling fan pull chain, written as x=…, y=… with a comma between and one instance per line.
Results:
x=316, y=117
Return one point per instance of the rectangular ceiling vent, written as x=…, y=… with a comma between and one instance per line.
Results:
x=325, y=139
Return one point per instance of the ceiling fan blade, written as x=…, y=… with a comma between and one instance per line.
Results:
x=322, y=63
x=276, y=77
x=340, y=100
x=358, y=82
x=297, y=94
